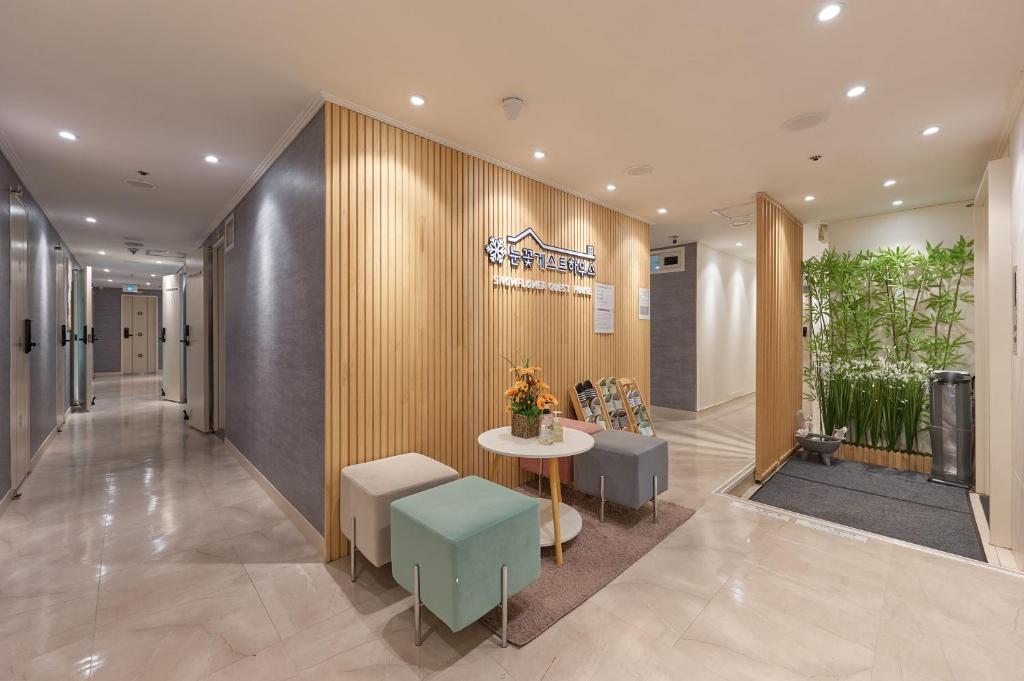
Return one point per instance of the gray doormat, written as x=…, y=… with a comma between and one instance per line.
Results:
x=600, y=553
x=898, y=504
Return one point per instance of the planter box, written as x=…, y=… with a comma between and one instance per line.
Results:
x=883, y=457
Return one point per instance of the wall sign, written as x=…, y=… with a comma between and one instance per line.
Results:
x=604, y=308
x=645, y=303
x=545, y=256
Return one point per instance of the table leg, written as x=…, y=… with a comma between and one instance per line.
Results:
x=493, y=474
x=556, y=499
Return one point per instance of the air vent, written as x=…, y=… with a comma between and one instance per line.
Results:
x=805, y=121
x=139, y=184
x=174, y=255
x=741, y=211
x=739, y=223
x=639, y=169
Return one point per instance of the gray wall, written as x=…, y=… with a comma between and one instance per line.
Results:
x=674, y=336
x=42, y=238
x=274, y=332
x=106, y=316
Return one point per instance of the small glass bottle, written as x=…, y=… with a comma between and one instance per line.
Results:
x=556, y=427
x=546, y=436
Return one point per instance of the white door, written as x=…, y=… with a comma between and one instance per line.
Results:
x=60, y=325
x=152, y=358
x=170, y=337
x=140, y=334
x=219, y=371
x=21, y=456
x=127, y=358
x=197, y=378
x=90, y=396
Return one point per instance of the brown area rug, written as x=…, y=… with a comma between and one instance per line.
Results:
x=600, y=553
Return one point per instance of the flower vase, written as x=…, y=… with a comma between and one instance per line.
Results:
x=525, y=427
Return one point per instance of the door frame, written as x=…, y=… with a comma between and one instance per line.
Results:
x=60, y=266
x=218, y=402
x=20, y=376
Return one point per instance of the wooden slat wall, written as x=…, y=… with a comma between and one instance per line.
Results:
x=415, y=331
x=779, y=336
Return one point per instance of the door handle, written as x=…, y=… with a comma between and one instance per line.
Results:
x=163, y=335
x=28, y=336
x=186, y=340
x=92, y=336
x=63, y=335
x=85, y=334
x=127, y=333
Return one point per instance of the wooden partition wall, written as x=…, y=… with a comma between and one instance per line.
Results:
x=779, y=334
x=417, y=334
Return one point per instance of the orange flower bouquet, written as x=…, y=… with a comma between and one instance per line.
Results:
x=528, y=396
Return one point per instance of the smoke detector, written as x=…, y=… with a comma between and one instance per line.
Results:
x=513, y=106
x=639, y=169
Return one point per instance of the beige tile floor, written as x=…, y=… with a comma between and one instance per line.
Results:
x=142, y=550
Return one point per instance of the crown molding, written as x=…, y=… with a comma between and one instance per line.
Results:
x=1015, y=112
x=305, y=116
x=334, y=99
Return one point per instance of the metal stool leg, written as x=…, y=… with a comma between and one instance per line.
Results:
x=655, y=498
x=602, y=499
x=352, y=551
x=416, y=604
x=504, y=606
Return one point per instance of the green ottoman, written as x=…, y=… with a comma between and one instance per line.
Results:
x=463, y=548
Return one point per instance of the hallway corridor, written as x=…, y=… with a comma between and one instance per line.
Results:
x=143, y=550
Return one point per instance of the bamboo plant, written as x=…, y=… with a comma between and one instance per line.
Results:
x=878, y=323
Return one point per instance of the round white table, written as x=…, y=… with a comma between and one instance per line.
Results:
x=559, y=522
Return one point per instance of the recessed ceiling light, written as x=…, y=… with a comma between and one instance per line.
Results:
x=808, y=198
x=210, y=158
x=662, y=211
x=102, y=252
x=418, y=100
x=931, y=130
x=830, y=11
x=110, y=280
x=68, y=135
x=159, y=262
x=856, y=91
x=91, y=220
x=611, y=187
x=888, y=183
x=539, y=154
x=898, y=202
x=106, y=269
x=739, y=243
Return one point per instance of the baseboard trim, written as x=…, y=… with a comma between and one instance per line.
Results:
x=106, y=374
x=5, y=502
x=304, y=526
x=42, y=448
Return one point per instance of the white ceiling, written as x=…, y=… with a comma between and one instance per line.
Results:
x=698, y=89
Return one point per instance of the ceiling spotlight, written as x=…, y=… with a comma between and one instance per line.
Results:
x=888, y=183
x=898, y=202
x=611, y=187
x=110, y=280
x=210, y=158
x=662, y=211
x=102, y=252
x=539, y=154
x=931, y=130
x=830, y=11
x=159, y=262
x=68, y=135
x=106, y=269
x=739, y=243
x=808, y=198
x=856, y=91
x=418, y=100
x=91, y=220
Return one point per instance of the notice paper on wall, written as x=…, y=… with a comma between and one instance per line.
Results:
x=604, y=308
x=645, y=303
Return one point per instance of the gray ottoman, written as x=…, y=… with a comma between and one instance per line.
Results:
x=626, y=468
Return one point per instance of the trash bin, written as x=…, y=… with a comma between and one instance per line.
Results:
x=952, y=428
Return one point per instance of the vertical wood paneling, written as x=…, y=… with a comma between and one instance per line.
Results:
x=779, y=334
x=415, y=331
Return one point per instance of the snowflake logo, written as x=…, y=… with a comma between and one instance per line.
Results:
x=496, y=251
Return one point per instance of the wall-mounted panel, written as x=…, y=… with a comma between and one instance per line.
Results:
x=779, y=333
x=417, y=333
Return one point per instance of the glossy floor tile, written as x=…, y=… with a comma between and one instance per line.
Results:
x=141, y=549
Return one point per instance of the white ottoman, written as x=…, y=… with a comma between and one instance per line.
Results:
x=367, y=490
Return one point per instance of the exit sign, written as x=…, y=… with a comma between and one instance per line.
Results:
x=131, y=288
